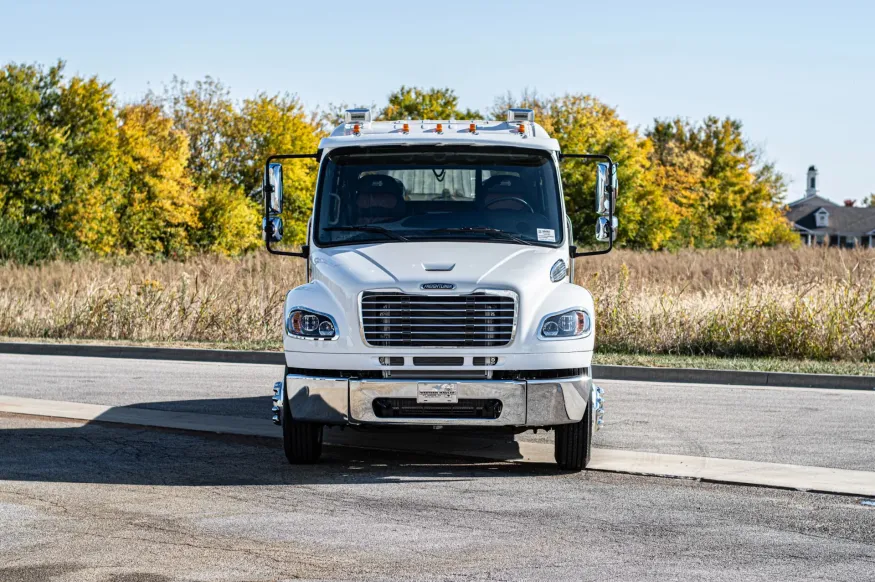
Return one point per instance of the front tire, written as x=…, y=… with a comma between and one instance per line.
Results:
x=302, y=441
x=573, y=443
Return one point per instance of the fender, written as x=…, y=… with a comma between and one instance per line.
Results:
x=317, y=297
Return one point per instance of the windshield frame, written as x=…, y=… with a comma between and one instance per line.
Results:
x=548, y=156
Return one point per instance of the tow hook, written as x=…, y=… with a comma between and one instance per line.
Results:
x=598, y=401
x=277, y=403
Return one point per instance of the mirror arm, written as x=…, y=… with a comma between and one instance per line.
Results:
x=305, y=249
x=573, y=249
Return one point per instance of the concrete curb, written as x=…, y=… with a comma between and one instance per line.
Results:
x=734, y=377
x=635, y=373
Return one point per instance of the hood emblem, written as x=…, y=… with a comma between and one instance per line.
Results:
x=440, y=286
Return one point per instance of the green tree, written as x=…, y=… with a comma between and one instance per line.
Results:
x=31, y=145
x=90, y=193
x=229, y=221
x=417, y=103
x=207, y=114
x=583, y=124
x=58, y=155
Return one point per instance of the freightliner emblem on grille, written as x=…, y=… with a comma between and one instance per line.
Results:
x=442, y=286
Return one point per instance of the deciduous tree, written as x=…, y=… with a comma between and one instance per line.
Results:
x=433, y=103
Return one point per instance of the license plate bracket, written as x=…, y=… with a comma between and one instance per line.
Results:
x=437, y=393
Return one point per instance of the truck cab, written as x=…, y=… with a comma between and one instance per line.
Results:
x=439, y=287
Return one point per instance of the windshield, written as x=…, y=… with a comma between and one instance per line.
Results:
x=376, y=196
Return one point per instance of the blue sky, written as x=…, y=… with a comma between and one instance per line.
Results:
x=800, y=75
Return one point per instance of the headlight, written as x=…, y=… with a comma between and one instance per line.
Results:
x=310, y=324
x=573, y=323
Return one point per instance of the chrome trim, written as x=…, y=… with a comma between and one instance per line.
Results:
x=568, y=337
x=511, y=393
x=318, y=399
x=532, y=403
x=557, y=401
x=313, y=311
x=598, y=406
x=277, y=400
x=501, y=292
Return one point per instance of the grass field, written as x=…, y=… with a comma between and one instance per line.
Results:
x=815, y=305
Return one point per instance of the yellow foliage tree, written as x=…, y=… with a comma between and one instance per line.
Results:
x=160, y=206
x=272, y=125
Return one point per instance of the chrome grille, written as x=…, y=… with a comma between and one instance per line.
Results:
x=476, y=319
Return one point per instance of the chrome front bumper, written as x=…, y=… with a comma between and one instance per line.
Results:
x=530, y=403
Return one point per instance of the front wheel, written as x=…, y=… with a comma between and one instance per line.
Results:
x=302, y=441
x=573, y=443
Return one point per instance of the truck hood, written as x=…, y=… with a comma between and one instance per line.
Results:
x=406, y=266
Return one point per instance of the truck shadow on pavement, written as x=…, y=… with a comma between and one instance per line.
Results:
x=58, y=450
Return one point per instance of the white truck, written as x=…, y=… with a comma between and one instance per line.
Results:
x=439, y=286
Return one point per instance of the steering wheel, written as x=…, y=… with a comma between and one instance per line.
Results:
x=515, y=199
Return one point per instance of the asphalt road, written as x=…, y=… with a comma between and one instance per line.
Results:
x=98, y=502
x=107, y=503
x=824, y=428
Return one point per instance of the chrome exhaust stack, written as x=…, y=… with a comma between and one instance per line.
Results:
x=598, y=406
x=277, y=402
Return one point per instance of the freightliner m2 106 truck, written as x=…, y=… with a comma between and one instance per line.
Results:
x=439, y=287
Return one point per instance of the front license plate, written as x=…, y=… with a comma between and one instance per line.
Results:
x=437, y=393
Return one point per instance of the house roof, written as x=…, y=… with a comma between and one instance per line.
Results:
x=812, y=201
x=842, y=219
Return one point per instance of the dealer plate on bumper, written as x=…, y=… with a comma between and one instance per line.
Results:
x=437, y=393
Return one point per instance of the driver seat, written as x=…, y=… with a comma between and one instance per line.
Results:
x=497, y=188
x=379, y=198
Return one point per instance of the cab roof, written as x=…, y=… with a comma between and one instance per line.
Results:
x=525, y=134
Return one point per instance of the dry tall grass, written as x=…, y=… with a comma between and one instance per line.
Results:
x=807, y=303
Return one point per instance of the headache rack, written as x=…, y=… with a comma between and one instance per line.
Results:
x=481, y=319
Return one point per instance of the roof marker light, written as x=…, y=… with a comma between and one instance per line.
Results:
x=472, y=128
x=405, y=128
x=356, y=129
x=439, y=128
x=522, y=129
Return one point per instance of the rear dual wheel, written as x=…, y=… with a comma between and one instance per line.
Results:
x=573, y=443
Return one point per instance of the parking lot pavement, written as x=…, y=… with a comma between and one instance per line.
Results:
x=824, y=428
x=102, y=502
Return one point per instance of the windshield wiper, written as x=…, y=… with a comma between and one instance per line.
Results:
x=493, y=232
x=365, y=228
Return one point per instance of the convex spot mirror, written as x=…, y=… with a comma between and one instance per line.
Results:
x=606, y=188
x=273, y=188
x=272, y=229
x=605, y=229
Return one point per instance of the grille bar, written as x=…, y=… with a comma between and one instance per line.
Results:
x=476, y=319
